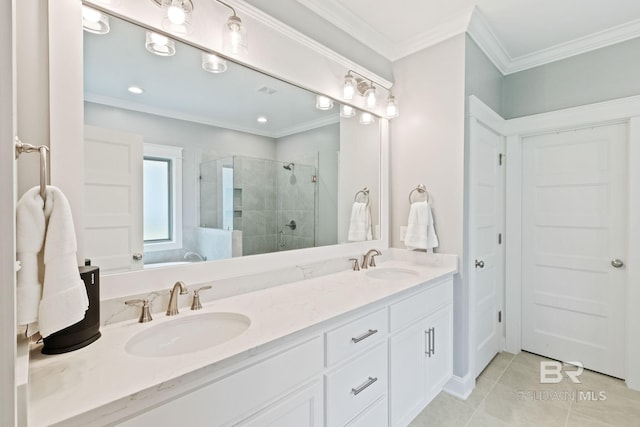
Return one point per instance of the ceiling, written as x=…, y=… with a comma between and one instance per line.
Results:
x=178, y=87
x=521, y=33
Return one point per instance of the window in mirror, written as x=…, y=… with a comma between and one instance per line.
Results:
x=227, y=197
x=162, y=181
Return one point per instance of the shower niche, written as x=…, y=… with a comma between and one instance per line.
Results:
x=260, y=205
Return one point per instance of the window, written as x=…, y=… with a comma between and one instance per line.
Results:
x=227, y=197
x=162, y=197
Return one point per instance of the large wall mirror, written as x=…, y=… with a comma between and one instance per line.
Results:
x=189, y=161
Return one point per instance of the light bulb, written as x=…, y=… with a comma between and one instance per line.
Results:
x=349, y=88
x=176, y=14
x=94, y=21
x=90, y=15
x=234, y=37
x=159, y=44
x=213, y=63
x=366, y=118
x=370, y=95
x=392, y=107
x=324, y=103
x=347, y=111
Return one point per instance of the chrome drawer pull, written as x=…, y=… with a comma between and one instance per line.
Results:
x=366, y=335
x=357, y=391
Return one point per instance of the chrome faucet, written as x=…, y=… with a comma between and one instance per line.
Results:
x=172, y=309
x=367, y=259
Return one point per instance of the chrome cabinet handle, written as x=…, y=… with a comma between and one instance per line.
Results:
x=479, y=264
x=364, y=336
x=430, y=342
x=137, y=256
x=433, y=342
x=358, y=390
x=617, y=263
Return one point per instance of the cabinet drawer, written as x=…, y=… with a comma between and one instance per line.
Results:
x=349, y=339
x=375, y=416
x=353, y=387
x=417, y=306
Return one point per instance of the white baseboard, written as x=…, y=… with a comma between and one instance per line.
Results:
x=460, y=387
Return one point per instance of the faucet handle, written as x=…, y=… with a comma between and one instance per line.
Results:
x=195, y=304
x=145, y=314
x=356, y=265
x=372, y=262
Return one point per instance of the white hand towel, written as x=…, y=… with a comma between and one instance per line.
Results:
x=30, y=229
x=63, y=299
x=421, y=233
x=360, y=224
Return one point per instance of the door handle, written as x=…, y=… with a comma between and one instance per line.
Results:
x=137, y=256
x=617, y=263
x=479, y=264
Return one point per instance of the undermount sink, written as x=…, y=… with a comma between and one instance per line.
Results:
x=390, y=273
x=186, y=335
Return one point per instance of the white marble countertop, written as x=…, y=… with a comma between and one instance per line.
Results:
x=67, y=385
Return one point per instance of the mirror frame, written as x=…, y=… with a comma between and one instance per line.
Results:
x=66, y=102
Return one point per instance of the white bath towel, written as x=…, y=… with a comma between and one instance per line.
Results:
x=421, y=233
x=63, y=297
x=360, y=224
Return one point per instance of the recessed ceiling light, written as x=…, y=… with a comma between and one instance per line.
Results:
x=262, y=119
x=135, y=89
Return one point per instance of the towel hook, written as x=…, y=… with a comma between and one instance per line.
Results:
x=365, y=192
x=21, y=147
x=421, y=189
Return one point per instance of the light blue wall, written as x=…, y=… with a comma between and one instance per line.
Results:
x=482, y=78
x=600, y=75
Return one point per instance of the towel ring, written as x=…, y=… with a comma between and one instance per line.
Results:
x=365, y=192
x=421, y=189
x=21, y=147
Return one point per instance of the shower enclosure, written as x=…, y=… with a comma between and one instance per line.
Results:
x=273, y=204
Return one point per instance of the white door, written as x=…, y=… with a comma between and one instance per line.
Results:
x=573, y=231
x=113, y=199
x=486, y=241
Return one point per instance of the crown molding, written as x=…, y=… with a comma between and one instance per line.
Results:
x=142, y=108
x=274, y=24
x=453, y=27
x=338, y=15
x=482, y=33
x=575, y=47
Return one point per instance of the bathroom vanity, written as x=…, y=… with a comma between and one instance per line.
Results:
x=358, y=348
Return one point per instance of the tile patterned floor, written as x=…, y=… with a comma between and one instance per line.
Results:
x=509, y=393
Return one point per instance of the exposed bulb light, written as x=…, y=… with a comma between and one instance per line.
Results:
x=262, y=119
x=94, y=21
x=392, y=107
x=135, y=90
x=370, y=96
x=213, y=63
x=366, y=118
x=349, y=88
x=324, y=103
x=177, y=15
x=347, y=111
x=234, y=37
x=159, y=44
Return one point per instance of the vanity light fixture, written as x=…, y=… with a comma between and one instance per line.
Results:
x=366, y=118
x=355, y=82
x=234, y=34
x=159, y=44
x=94, y=21
x=392, y=107
x=213, y=63
x=262, y=119
x=135, y=90
x=347, y=111
x=176, y=15
x=323, y=102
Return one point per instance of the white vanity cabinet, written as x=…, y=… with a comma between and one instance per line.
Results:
x=281, y=390
x=421, y=350
x=378, y=367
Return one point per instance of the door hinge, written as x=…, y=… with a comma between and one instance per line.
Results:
x=499, y=238
x=500, y=316
x=500, y=156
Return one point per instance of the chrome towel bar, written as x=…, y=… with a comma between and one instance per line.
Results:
x=21, y=147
